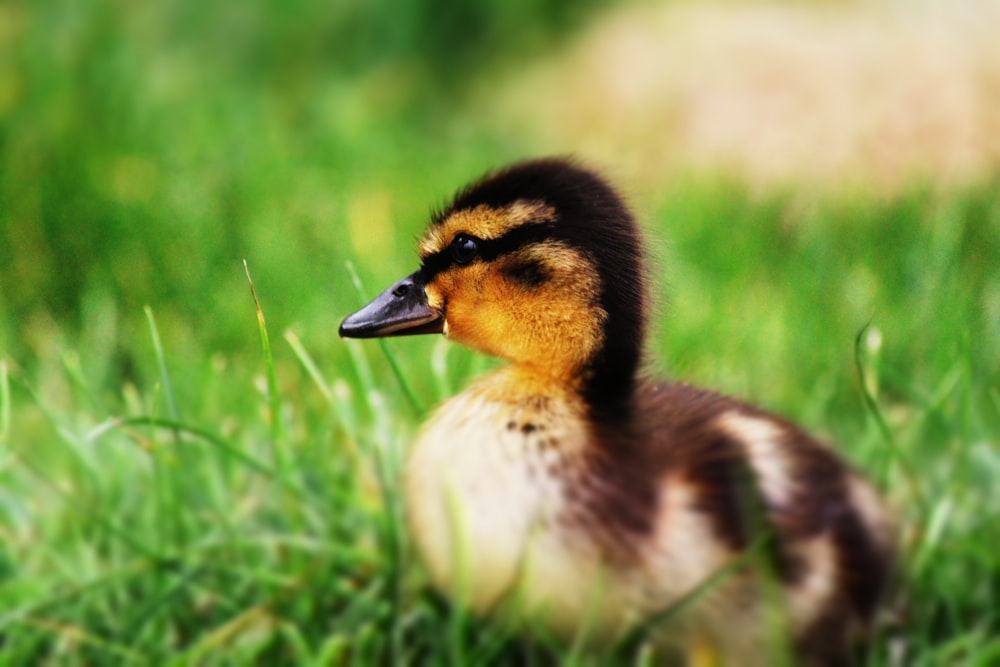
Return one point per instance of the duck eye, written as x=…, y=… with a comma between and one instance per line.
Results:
x=464, y=248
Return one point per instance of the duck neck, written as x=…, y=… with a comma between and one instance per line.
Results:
x=609, y=382
x=610, y=376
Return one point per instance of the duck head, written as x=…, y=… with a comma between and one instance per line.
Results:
x=540, y=264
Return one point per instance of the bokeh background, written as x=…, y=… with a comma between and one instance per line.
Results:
x=149, y=147
x=803, y=169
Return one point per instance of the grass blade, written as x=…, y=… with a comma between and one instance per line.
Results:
x=161, y=363
x=909, y=474
x=274, y=397
x=246, y=459
x=327, y=391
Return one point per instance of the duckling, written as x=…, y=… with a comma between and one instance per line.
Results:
x=588, y=501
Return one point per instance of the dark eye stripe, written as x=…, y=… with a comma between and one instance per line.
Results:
x=490, y=249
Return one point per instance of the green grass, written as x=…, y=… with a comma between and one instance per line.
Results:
x=236, y=508
x=185, y=482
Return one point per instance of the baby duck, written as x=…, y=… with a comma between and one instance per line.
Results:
x=583, y=498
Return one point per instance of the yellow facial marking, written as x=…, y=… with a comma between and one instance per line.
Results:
x=551, y=321
x=486, y=223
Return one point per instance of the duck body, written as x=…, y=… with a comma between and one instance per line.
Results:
x=574, y=494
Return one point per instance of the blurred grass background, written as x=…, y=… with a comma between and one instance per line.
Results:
x=803, y=169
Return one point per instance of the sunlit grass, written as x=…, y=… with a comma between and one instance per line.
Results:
x=227, y=509
x=194, y=472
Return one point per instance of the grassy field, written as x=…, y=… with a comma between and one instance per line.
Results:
x=176, y=488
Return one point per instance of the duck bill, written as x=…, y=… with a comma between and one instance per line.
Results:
x=401, y=310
